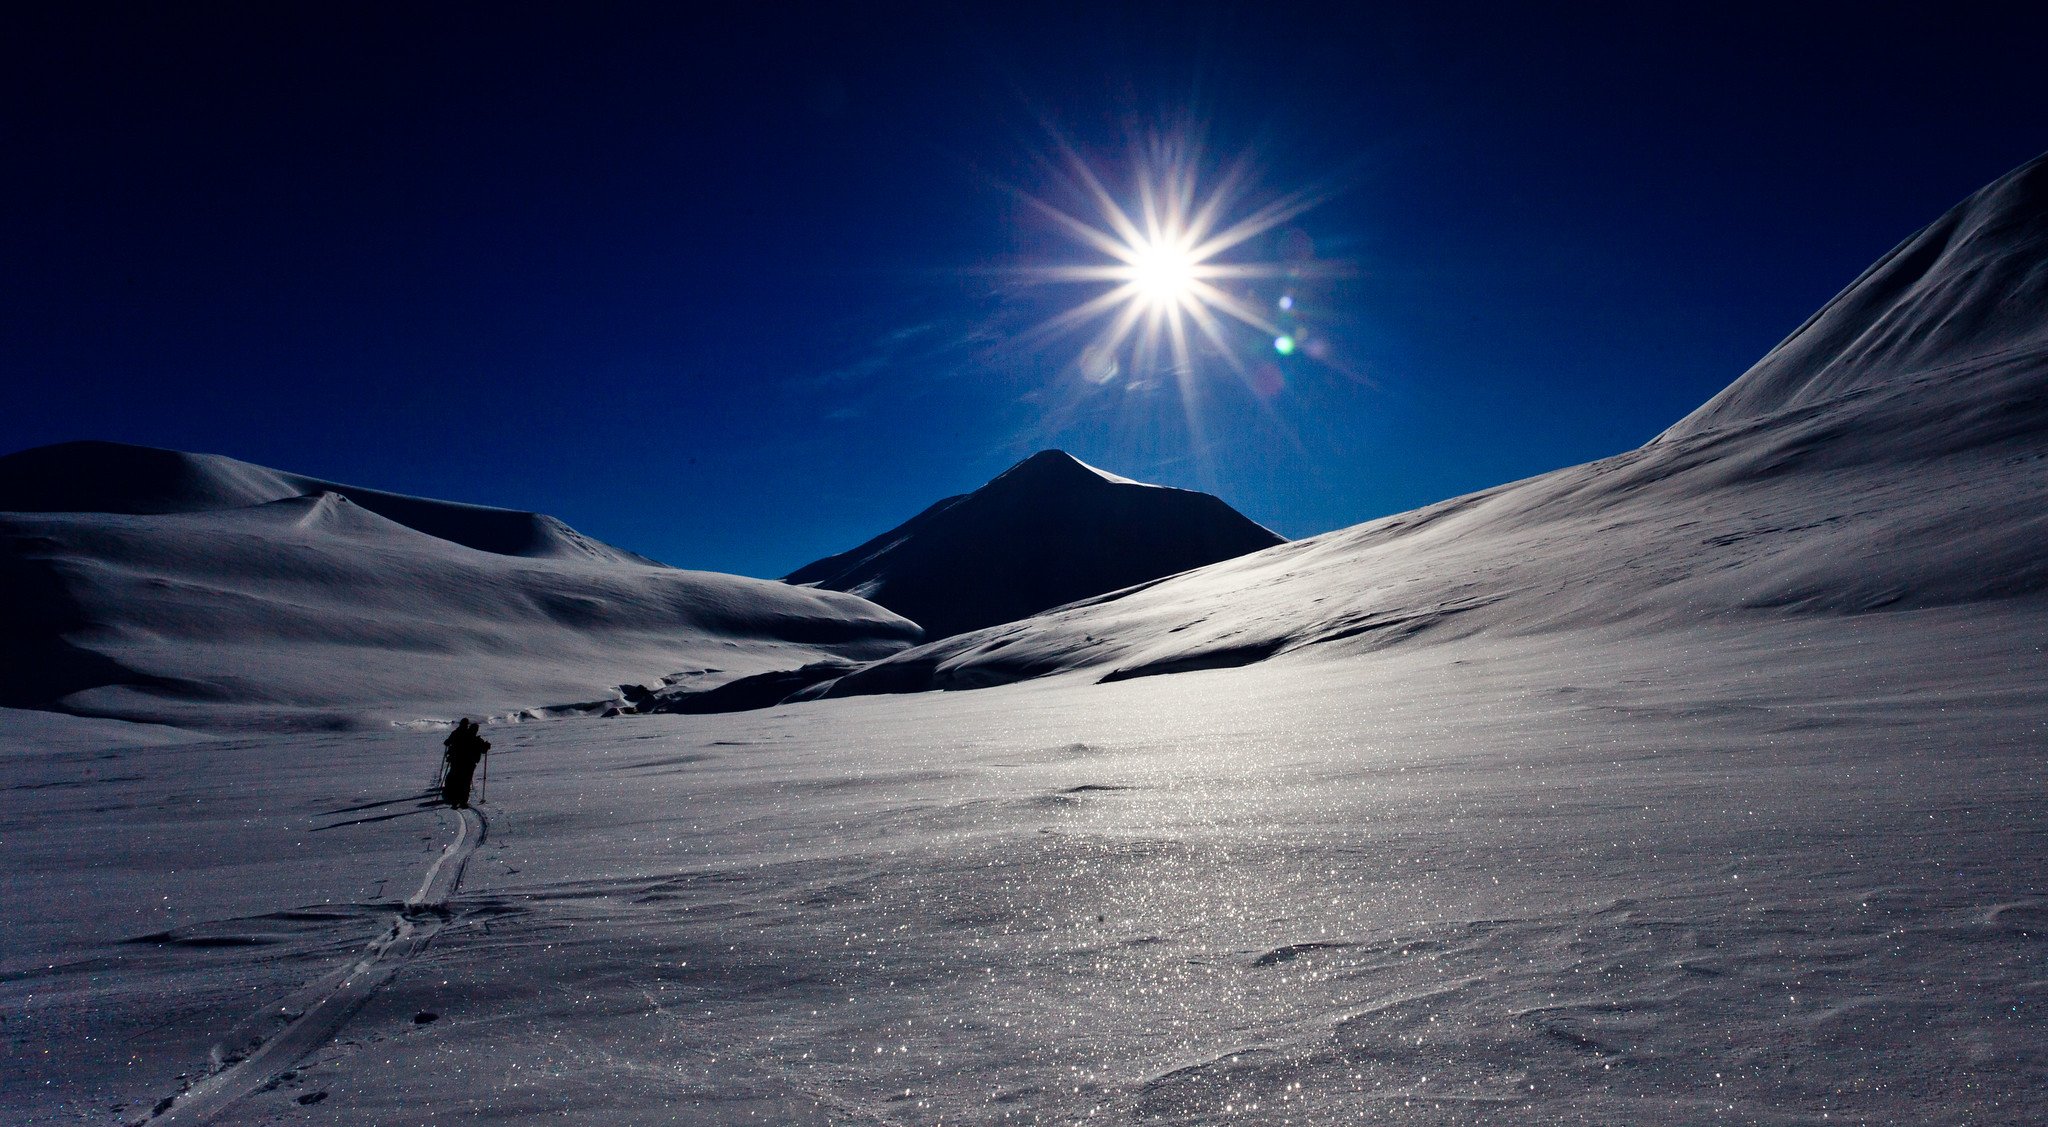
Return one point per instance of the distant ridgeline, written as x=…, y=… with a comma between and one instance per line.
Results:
x=112, y=477
x=1049, y=530
x=195, y=589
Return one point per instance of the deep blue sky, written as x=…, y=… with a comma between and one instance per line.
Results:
x=728, y=289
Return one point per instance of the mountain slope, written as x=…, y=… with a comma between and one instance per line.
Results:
x=1891, y=455
x=1959, y=296
x=201, y=598
x=1047, y=531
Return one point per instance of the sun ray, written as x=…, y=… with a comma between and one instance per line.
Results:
x=1118, y=298
x=1106, y=243
x=1183, y=361
x=1120, y=224
x=1120, y=330
x=1212, y=329
x=1227, y=188
x=1097, y=273
x=1256, y=224
x=1217, y=299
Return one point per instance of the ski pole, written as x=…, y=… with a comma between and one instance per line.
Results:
x=484, y=785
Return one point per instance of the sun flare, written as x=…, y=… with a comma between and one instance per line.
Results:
x=1179, y=283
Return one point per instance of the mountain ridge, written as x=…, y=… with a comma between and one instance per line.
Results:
x=1969, y=287
x=92, y=475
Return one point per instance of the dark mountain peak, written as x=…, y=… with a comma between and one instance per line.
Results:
x=1051, y=465
x=1050, y=459
x=1047, y=531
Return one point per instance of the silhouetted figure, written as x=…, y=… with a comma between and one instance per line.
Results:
x=466, y=749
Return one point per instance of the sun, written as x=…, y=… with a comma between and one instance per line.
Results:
x=1163, y=271
x=1171, y=258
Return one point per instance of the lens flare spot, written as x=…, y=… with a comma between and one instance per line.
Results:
x=1284, y=345
x=1099, y=365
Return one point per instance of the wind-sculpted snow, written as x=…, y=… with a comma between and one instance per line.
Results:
x=315, y=611
x=1893, y=454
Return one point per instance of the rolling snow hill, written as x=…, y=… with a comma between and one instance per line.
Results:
x=194, y=589
x=1049, y=530
x=114, y=477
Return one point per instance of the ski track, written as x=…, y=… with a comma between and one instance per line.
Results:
x=413, y=926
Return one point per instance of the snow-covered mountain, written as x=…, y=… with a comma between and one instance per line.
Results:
x=191, y=588
x=1047, y=531
x=1891, y=454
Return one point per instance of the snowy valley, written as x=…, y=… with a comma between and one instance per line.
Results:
x=1698, y=784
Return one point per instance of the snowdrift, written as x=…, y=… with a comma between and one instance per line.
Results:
x=191, y=589
x=1892, y=453
x=1049, y=530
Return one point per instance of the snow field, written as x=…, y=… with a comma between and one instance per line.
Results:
x=1779, y=874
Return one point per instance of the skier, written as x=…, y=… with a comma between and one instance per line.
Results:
x=465, y=749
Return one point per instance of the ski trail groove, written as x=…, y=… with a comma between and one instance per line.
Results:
x=413, y=926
